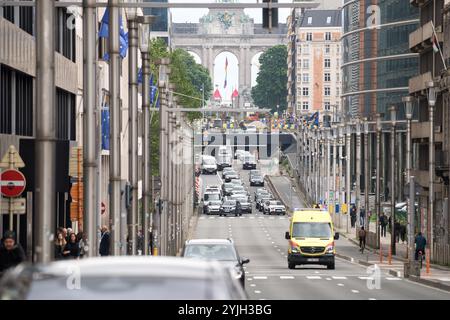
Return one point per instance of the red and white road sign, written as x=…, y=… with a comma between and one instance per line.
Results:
x=12, y=183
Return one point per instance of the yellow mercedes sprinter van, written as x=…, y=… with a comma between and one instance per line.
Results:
x=311, y=238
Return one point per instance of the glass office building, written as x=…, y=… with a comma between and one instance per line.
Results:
x=161, y=23
x=377, y=62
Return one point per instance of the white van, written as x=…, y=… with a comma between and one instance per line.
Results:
x=209, y=165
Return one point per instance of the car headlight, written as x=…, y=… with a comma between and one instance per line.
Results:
x=330, y=248
x=237, y=273
x=295, y=248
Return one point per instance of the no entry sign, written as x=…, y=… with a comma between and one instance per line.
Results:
x=12, y=183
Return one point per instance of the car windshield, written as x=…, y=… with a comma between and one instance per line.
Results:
x=212, y=196
x=311, y=230
x=221, y=252
x=249, y=158
x=257, y=177
x=228, y=185
x=229, y=203
x=209, y=161
x=121, y=287
x=230, y=173
x=215, y=202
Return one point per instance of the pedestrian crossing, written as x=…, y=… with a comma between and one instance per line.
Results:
x=243, y=217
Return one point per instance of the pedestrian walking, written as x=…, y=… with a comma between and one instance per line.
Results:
x=11, y=253
x=104, y=242
x=362, y=239
x=397, y=231
x=383, y=224
x=82, y=243
x=403, y=233
x=362, y=217
x=72, y=248
x=60, y=244
x=421, y=243
x=353, y=215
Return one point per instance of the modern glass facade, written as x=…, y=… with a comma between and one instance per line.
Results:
x=377, y=62
x=161, y=22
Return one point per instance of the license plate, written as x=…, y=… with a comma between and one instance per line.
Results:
x=313, y=260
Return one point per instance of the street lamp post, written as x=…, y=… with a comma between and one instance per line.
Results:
x=411, y=205
x=131, y=14
x=144, y=46
x=366, y=173
x=392, y=111
x=341, y=166
x=358, y=169
x=348, y=171
x=378, y=176
x=432, y=96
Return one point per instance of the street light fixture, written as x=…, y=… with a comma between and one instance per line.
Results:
x=131, y=12
x=393, y=113
x=432, y=93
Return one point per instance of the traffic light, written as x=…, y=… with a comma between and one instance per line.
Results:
x=128, y=195
x=267, y=13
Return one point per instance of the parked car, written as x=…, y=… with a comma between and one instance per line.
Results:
x=238, y=154
x=228, y=207
x=226, y=170
x=256, y=180
x=255, y=172
x=209, y=165
x=274, y=207
x=222, y=250
x=238, y=189
x=259, y=191
x=123, y=278
x=207, y=198
x=224, y=161
x=237, y=182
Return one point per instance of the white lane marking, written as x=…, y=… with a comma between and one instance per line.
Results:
x=252, y=217
x=316, y=271
x=340, y=284
x=355, y=291
x=328, y=279
x=287, y=277
x=212, y=217
x=202, y=218
x=249, y=279
x=260, y=278
x=272, y=218
x=253, y=285
x=232, y=217
x=273, y=242
x=365, y=278
x=257, y=291
x=313, y=277
x=372, y=299
x=246, y=272
x=393, y=279
x=339, y=278
x=244, y=218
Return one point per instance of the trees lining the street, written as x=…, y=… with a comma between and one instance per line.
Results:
x=270, y=89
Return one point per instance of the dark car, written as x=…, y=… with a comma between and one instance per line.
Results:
x=249, y=162
x=228, y=207
x=222, y=250
x=256, y=180
x=123, y=278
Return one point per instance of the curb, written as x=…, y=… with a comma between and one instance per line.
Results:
x=430, y=283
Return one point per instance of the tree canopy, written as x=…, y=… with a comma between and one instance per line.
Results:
x=270, y=89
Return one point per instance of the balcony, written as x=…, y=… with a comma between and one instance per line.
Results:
x=421, y=130
x=417, y=84
x=421, y=39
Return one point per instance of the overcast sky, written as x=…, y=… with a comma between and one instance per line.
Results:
x=192, y=15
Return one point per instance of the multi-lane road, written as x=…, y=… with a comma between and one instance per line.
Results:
x=261, y=239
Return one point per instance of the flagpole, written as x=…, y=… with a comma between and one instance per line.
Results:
x=438, y=45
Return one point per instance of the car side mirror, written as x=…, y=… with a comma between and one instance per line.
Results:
x=287, y=236
x=336, y=236
x=245, y=260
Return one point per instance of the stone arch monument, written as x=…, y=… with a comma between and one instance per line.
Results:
x=230, y=30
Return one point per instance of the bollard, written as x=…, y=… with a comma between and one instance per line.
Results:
x=427, y=257
x=155, y=251
x=390, y=255
x=381, y=253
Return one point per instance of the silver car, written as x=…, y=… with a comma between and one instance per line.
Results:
x=122, y=278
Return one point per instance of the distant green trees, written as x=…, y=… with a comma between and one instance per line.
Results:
x=271, y=87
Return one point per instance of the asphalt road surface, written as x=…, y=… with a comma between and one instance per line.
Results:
x=261, y=239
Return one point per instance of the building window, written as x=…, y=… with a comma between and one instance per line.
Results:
x=16, y=102
x=328, y=20
x=8, y=13
x=337, y=77
x=327, y=106
x=309, y=20
x=26, y=19
x=5, y=100
x=65, y=36
x=65, y=115
x=306, y=49
x=327, y=77
x=309, y=36
x=305, y=91
x=305, y=105
x=328, y=36
x=337, y=91
x=327, y=63
x=161, y=22
x=305, y=64
x=306, y=78
x=327, y=49
x=327, y=91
